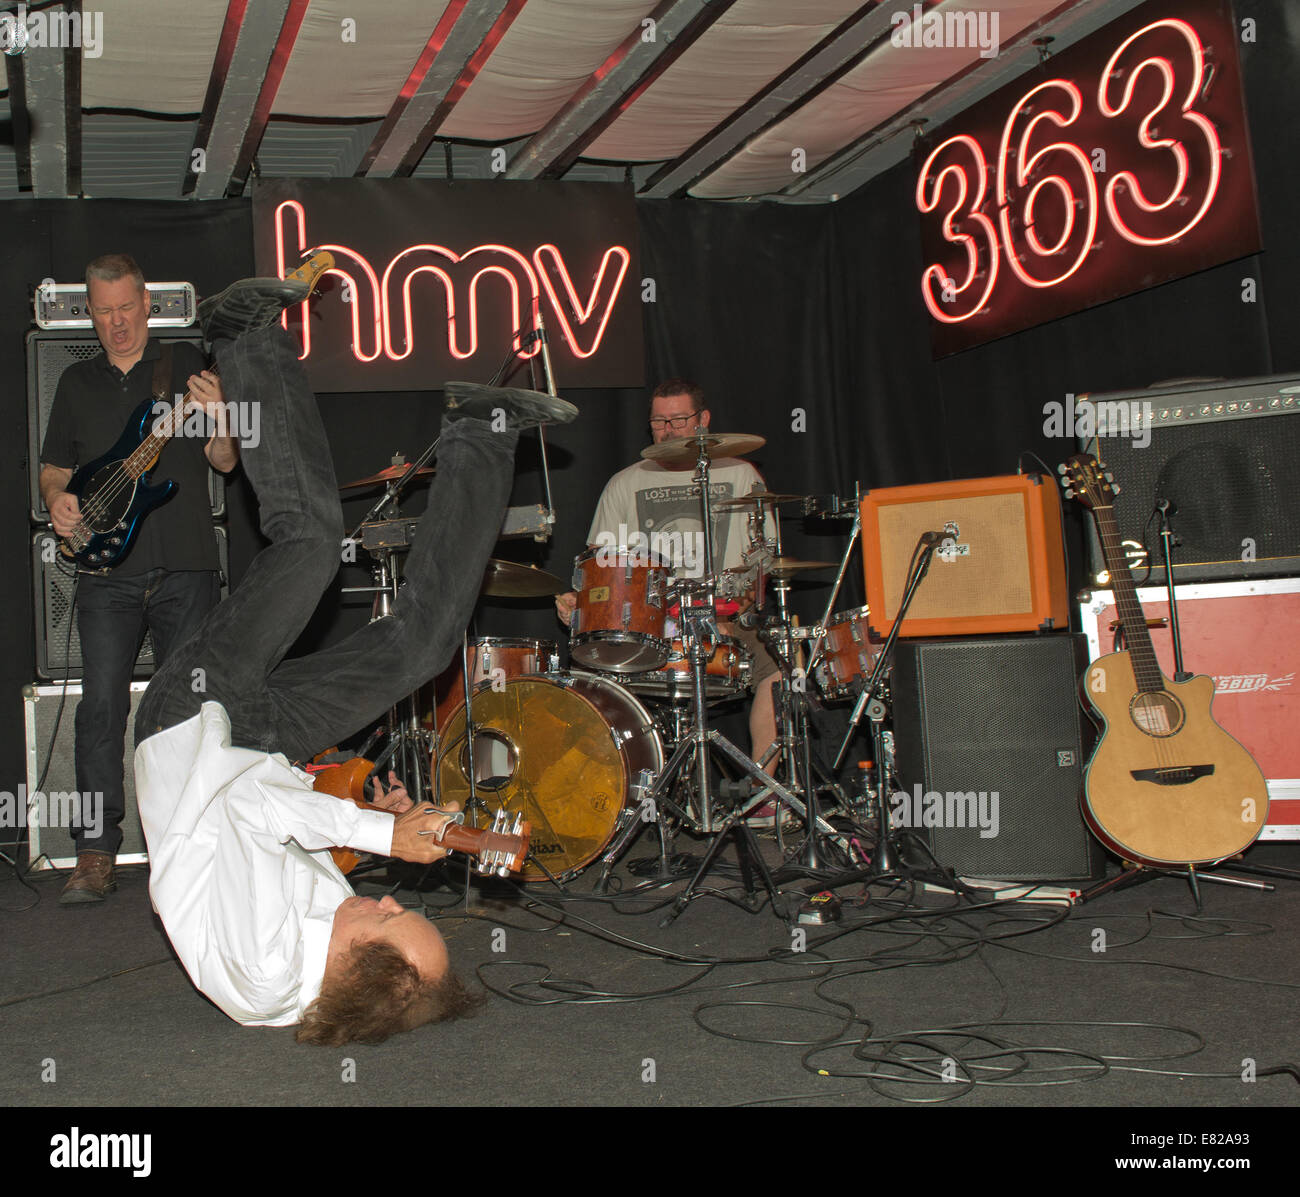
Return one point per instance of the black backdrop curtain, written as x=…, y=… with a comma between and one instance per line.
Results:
x=775, y=310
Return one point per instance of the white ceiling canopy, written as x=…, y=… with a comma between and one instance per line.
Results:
x=718, y=99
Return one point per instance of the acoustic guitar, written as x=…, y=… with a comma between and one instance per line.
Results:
x=114, y=492
x=1166, y=785
x=500, y=849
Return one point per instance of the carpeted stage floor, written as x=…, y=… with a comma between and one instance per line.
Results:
x=913, y=997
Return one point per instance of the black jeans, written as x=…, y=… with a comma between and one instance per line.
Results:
x=112, y=615
x=300, y=707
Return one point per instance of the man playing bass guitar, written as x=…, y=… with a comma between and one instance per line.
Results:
x=169, y=579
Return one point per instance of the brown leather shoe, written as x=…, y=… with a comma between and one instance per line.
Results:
x=91, y=881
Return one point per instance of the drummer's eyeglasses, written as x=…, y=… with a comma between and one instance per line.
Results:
x=673, y=422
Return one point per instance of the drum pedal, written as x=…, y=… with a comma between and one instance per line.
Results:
x=819, y=909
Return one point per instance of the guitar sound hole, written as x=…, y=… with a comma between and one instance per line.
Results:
x=1159, y=714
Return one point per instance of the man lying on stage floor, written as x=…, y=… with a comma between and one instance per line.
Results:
x=241, y=877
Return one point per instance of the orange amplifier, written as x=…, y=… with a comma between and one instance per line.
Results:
x=999, y=568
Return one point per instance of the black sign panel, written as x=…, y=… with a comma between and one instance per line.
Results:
x=438, y=280
x=1122, y=163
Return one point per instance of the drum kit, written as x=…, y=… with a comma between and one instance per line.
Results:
x=621, y=740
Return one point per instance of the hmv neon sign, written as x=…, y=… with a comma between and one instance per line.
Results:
x=1128, y=165
x=407, y=309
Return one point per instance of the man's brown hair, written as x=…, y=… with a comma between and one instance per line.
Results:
x=680, y=386
x=374, y=992
x=108, y=268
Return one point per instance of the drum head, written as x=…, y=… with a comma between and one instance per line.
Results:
x=545, y=750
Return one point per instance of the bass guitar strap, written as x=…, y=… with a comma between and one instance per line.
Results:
x=162, y=374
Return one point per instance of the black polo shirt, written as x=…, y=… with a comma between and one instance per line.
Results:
x=93, y=402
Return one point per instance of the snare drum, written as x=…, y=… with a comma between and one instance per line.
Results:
x=847, y=654
x=492, y=659
x=569, y=752
x=618, y=625
x=726, y=672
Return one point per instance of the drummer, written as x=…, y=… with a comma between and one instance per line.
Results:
x=660, y=508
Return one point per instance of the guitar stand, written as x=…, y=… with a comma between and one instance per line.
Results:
x=1140, y=874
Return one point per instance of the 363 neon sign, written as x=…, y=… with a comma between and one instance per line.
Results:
x=1130, y=169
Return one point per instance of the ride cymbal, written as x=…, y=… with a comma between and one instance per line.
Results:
x=509, y=579
x=684, y=451
x=758, y=496
x=783, y=567
x=391, y=474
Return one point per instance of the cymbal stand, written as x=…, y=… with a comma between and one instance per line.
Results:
x=698, y=626
x=794, y=764
x=409, y=746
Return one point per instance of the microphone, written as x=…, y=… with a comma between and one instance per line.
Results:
x=932, y=537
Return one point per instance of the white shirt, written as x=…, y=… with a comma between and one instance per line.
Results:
x=662, y=506
x=241, y=875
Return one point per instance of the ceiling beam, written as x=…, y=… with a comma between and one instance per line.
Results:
x=884, y=146
x=20, y=118
x=216, y=86
x=637, y=63
x=830, y=59
x=267, y=32
x=46, y=105
x=72, y=105
x=424, y=105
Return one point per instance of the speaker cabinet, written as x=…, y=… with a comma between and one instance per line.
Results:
x=51, y=352
x=1227, y=455
x=58, y=643
x=991, y=743
x=50, y=739
x=999, y=568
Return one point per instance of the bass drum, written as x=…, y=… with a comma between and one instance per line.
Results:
x=567, y=752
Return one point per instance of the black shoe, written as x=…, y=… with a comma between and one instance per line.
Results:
x=248, y=305
x=254, y=303
x=521, y=409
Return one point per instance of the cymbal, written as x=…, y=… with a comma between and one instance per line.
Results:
x=758, y=496
x=683, y=451
x=783, y=567
x=391, y=474
x=509, y=579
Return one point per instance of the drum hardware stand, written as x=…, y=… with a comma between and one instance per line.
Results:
x=633, y=821
x=698, y=625
x=854, y=534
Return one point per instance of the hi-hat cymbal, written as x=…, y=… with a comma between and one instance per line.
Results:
x=391, y=474
x=758, y=496
x=684, y=451
x=783, y=567
x=509, y=579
